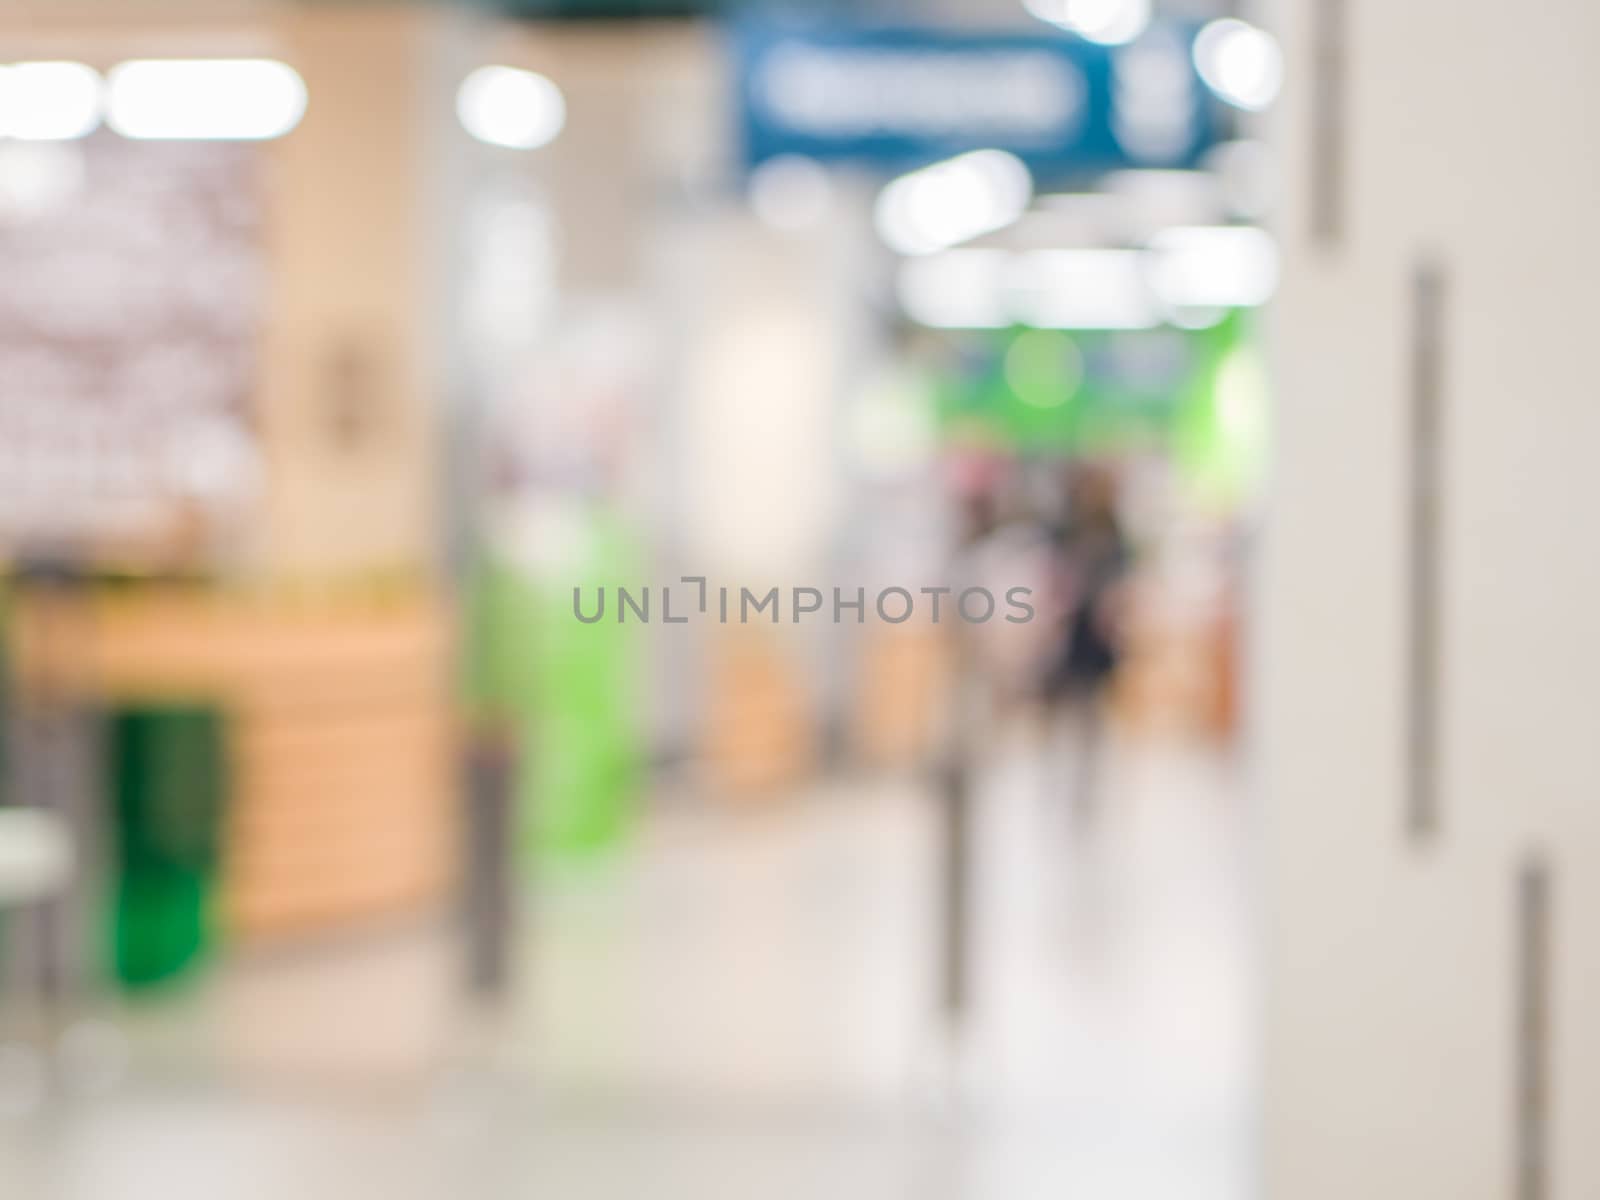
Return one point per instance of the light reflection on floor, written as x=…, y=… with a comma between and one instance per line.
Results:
x=740, y=1006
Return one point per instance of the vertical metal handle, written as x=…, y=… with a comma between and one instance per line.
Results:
x=1533, y=971
x=1426, y=433
x=1329, y=80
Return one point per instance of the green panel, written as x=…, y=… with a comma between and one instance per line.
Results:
x=1068, y=392
x=1220, y=437
x=168, y=788
x=568, y=689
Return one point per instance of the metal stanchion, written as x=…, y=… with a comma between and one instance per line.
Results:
x=955, y=951
x=957, y=834
x=490, y=899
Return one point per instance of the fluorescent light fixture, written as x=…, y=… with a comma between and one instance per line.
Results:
x=1108, y=22
x=1239, y=62
x=953, y=201
x=1213, y=266
x=204, y=99
x=507, y=106
x=1189, y=276
x=959, y=289
x=1048, y=289
x=1082, y=289
x=49, y=101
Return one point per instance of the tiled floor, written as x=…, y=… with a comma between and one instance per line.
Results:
x=740, y=1006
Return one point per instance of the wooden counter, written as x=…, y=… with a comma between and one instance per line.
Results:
x=342, y=804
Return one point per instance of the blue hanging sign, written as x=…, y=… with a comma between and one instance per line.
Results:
x=891, y=99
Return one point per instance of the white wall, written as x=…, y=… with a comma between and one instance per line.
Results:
x=1391, y=971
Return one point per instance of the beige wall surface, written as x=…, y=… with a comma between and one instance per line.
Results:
x=347, y=397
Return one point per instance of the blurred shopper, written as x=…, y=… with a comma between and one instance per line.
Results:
x=1090, y=564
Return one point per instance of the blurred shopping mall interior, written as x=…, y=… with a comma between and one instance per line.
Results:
x=972, y=599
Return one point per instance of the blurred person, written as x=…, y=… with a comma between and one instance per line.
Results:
x=1002, y=544
x=1090, y=564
